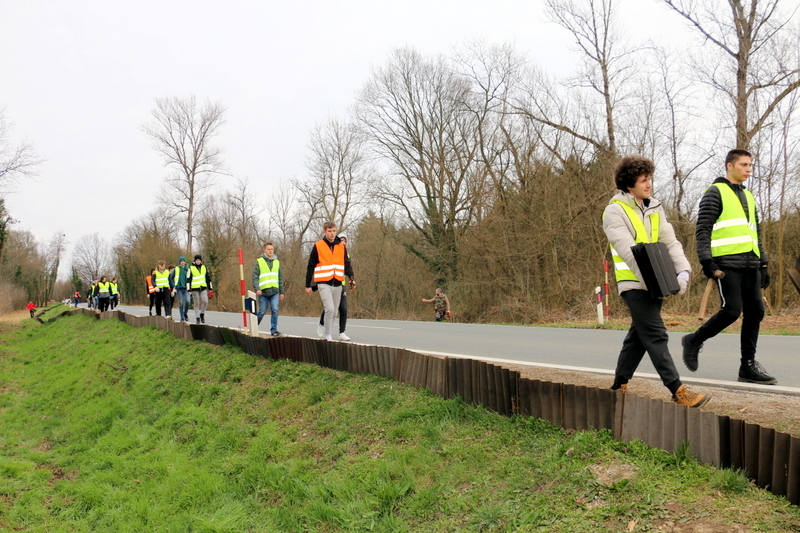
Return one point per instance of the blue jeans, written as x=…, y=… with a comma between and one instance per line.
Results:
x=183, y=304
x=272, y=303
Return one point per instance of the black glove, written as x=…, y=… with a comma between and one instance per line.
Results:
x=765, y=277
x=709, y=267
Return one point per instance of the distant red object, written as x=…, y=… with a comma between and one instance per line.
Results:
x=31, y=306
x=210, y=294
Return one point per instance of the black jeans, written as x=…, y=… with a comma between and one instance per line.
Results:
x=163, y=296
x=646, y=334
x=740, y=292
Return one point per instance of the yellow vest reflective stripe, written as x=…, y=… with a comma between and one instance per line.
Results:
x=622, y=271
x=268, y=278
x=198, y=277
x=114, y=289
x=734, y=232
x=162, y=279
x=103, y=288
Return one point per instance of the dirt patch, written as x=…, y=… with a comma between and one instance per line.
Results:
x=14, y=317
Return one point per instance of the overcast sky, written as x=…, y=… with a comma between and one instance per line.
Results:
x=79, y=78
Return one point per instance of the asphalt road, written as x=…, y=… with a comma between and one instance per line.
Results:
x=574, y=349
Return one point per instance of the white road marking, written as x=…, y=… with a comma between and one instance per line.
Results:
x=355, y=326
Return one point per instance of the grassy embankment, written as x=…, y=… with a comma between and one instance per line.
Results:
x=106, y=427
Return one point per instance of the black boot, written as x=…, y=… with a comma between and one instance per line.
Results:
x=690, y=351
x=198, y=320
x=203, y=318
x=751, y=371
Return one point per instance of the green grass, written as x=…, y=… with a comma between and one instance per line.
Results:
x=106, y=427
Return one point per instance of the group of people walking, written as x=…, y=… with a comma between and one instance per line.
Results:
x=183, y=283
x=730, y=251
x=328, y=264
x=728, y=244
x=103, y=295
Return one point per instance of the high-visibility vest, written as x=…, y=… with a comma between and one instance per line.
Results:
x=114, y=289
x=331, y=262
x=103, y=289
x=734, y=232
x=162, y=279
x=177, y=274
x=198, y=277
x=150, y=287
x=622, y=271
x=268, y=278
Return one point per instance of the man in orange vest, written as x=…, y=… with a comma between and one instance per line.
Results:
x=327, y=266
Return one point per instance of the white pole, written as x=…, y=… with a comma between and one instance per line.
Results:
x=599, y=298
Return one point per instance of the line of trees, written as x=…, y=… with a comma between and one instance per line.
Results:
x=482, y=174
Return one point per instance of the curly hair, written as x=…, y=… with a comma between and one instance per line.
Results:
x=629, y=169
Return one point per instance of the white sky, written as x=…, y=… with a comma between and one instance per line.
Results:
x=79, y=78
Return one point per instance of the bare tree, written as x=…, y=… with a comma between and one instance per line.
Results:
x=91, y=257
x=338, y=173
x=182, y=132
x=139, y=247
x=585, y=107
x=416, y=114
x=287, y=222
x=17, y=161
x=757, y=66
x=52, y=260
x=5, y=222
x=246, y=213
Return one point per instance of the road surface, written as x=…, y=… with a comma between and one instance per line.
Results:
x=573, y=349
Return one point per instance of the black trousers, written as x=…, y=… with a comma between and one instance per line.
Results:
x=164, y=297
x=740, y=294
x=646, y=334
x=102, y=304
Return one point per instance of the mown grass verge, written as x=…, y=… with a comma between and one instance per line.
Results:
x=106, y=427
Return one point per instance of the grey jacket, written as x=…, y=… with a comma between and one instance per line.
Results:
x=271, y=291
x=620, y=233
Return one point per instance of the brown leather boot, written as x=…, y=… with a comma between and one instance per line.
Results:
x=684, y=396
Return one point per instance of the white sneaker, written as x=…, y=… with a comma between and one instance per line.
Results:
x=343, y=336
x=328, y=338
x=320, y=331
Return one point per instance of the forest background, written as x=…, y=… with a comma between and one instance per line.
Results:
x=477, y=173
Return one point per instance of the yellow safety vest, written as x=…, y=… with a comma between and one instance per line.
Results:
x=103, y=289
x=114, y=289
x=162, y=279
x=734, y=232
x=198, y=277
x=268, y=278
x=622, y=271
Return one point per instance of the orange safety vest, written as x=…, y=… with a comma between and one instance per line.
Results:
x=150, y=288
x=331, y=262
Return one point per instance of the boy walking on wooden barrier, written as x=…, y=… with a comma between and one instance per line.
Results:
x=729, y=248
x=632, y=217
x=327, y=266
x=268, y=284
